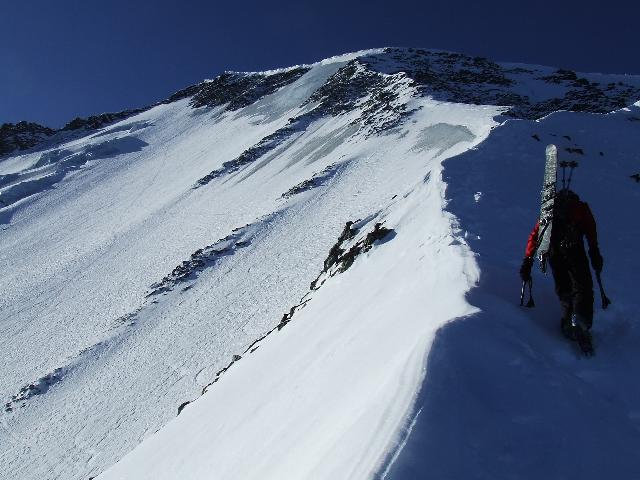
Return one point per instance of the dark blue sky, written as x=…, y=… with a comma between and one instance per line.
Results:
x=67, y=58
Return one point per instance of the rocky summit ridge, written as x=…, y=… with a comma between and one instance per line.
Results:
x=378, y=78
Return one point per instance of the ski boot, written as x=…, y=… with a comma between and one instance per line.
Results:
x=567, y=329
x=581, y=331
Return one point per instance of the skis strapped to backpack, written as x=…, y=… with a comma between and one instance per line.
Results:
x=546, y=204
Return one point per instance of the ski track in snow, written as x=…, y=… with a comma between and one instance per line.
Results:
x=127, y=291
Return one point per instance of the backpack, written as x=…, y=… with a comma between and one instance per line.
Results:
x=566, y=236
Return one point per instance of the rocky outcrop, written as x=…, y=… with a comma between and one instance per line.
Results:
x=202, y=259
x=460, y=78
x=343, y=254
x=355, y=86
x=294, y=126
x=338, y=261
x=39, y=387
x=22, y=136
x=318, y=179
x=238, y=90
x=25, y=135
x=378, y=97
x=95, y=122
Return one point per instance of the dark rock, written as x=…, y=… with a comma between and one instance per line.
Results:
x=378, y=233
x=95, y=122
x=200, y=260
x=459, y=78
x=184, y=93
x=25, y=135
x=561, y=76
x=579, y=151
x=182, y=406
x=317, y=180
x=344, y=259
x=346, y=88
x=267, y=144
x=39, y=387
x=22, y=136
x=238, y=90
x=336, y=251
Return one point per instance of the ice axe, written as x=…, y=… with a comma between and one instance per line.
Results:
x=530, y=303
x=605, y=300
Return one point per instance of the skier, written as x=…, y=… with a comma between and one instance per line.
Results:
x=572, y=221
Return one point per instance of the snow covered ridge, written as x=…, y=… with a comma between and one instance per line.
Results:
x=531, y=91
x=205, y=255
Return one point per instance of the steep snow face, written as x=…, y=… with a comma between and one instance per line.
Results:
x=346, y=365
x=196, y=246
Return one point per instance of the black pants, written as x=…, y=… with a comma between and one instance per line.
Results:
x=574, y=285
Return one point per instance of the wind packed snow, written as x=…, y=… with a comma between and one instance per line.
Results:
x=190, y=260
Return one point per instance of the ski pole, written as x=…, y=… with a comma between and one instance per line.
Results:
x=605, y=300
x=530, y=303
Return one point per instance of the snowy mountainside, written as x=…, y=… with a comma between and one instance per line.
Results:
x=190, y=256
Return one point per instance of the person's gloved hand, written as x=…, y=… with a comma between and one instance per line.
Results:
x=525, y=269
x=596, y=259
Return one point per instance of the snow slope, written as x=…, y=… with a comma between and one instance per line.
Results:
x=172, y=252
x=347, y=365
x=519, y=401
